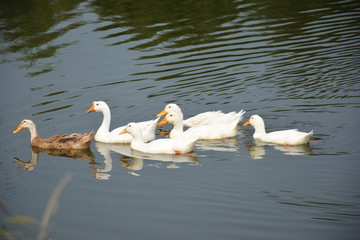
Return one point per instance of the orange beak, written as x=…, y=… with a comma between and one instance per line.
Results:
x=163, y=122
x=19, y=128
x=162, y=113
x=92, y=108
x=247, y=123
x=123, y=131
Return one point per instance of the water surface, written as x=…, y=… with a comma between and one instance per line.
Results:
x=294, y=63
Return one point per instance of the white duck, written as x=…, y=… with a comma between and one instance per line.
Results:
x=166, y=146
x=104, y=135
x=285, y=137
x=210, y=131
x=203, y=118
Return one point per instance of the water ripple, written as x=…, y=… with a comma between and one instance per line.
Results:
x=241, y=47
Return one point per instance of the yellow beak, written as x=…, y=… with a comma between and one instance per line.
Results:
x=123, y=131
x=163, y=122
x=19, y=128
x=247, y=123
x=162, y=113
x=92, y=108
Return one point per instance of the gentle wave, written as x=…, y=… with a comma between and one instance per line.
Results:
x=298, y=58
x=312, y=53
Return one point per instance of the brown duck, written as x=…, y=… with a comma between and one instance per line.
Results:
x=63, y=141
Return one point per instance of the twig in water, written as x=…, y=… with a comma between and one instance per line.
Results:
x=52, y=206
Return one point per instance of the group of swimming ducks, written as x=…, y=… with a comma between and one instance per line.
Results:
x=141, y=135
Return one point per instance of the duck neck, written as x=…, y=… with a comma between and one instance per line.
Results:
x=178, y=128
x=105, y=125
x=33, y=132
x=260, y=130
x=137, y=138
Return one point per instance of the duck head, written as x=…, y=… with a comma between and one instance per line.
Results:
x=26, y=123
x=257, y=122
x=172, y=117
x=131, y=128
x=98, y=106
x=172, y=107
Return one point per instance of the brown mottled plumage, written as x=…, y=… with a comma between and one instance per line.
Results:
x=63, y=141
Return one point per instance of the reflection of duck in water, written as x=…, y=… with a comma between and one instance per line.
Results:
x=30, y=165
x=135, y=161
x=304, y=149
x=85, y=154
x=217, y=145
x=105, y=150
x=132, y=159
x=63, y=141
x=257, y=150
x=133, y=164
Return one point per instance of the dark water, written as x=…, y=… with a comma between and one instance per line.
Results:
x=296, y=63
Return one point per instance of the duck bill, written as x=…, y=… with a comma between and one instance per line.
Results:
x=19, y=128
x=247, y=123
x=162, y=113
x=92, y=108
x=163, y=122
x=123, y=132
